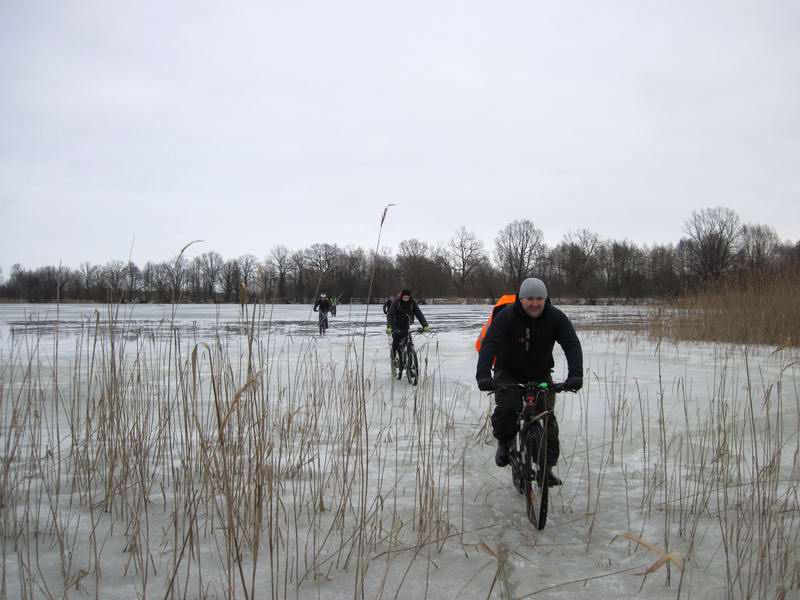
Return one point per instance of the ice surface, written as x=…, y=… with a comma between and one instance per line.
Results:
x=689, y=447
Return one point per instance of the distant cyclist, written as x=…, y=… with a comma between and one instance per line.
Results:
x=324, y=306
x=399, y=317
x=520, y=342
x=388, y=303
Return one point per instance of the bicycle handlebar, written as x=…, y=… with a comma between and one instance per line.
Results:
x=544, y=386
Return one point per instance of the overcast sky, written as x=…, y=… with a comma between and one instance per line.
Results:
x=296, y=122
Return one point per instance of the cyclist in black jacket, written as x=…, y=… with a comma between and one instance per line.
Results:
x=388, y=303
x=399, y=317
x=322, y=303
x=325, y=306
x=520, y=342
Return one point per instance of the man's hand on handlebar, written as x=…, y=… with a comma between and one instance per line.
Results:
x=573, y=383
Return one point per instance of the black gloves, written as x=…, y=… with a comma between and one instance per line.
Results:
x=486, y=384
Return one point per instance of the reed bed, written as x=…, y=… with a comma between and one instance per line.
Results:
x=225, y=468
x=758, y=310
x=175, y=465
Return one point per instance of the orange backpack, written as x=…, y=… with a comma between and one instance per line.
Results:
x=499, y=305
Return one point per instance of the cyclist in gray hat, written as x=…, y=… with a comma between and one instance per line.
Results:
x=519, y=343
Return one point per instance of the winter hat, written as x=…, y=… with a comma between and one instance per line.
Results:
x=405, y=293
x=532, y=288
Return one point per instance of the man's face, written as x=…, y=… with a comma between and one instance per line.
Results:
x=405, y=297
x=532, y=306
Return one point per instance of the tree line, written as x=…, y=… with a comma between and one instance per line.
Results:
x=716, y=246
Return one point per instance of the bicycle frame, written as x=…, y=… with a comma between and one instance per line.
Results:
x=323, y=320
x=528, y=457
x=534, y=406
x=406, y=359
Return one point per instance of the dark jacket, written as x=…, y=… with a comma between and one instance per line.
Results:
x=523, y=347
x=387, y=304
x=322, y=304
x=401, y=314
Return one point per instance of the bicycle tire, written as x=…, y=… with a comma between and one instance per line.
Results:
x=536, y=490
x=397, y=365
x=412, y=366
x=517, y=477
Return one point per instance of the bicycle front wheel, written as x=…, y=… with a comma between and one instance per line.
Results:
x=412, y=367
x=536, y=490
x=397, y=364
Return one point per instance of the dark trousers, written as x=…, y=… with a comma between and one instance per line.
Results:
x=398, y=339
x=508, y=404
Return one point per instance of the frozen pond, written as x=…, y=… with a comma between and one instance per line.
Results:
x=384, y=490
x=71, y=319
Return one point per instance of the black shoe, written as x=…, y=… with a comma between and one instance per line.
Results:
x=551, y=478
x=501, y=458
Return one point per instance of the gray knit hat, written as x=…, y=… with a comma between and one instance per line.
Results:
x=533, y=288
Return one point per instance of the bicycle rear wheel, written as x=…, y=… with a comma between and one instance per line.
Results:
x=412, y=366
x=536, y=490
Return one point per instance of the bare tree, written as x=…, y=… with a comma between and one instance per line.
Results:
x=16, y=281
x=150, y=281
x=463, y=255
x=265, y=273
x=114, y=274
x=757, y=247
x=626, y=268
x=712, y=234
x=385, y=273
x=133, y=276
x=577, y=255
x=247, y=272
x=87, y=274
x=322, y=258
x=211, y=267
x=663, y=271
x=418, y=270
x=352, y=273
x=518, y=248
x=787, y=255
x=229, y=276
x=281, y=259
x=176, y=272
x=299, y=268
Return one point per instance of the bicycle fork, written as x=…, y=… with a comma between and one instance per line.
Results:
x=528, y=416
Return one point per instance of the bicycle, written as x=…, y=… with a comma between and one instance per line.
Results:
x=323, y=321
x=406, y=359
x=528, y=455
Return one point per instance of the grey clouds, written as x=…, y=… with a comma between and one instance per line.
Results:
x=294, y=123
